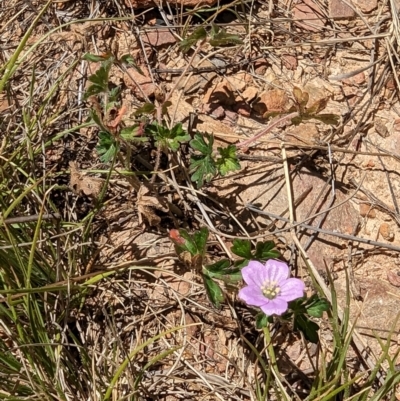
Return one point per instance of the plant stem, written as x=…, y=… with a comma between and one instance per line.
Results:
x=269, y=127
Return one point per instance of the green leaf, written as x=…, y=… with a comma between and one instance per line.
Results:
x=265, y=250
x=93, y=57
x=317, y=308
x=100, y=77
x=106, y=147
x=129, y=60
x=170, y=139
x=222, y=270
x=92, y=90
x=164, y=108
x=133, y=133
x=318, y=106
x=217, y=267
x=262, y=320
x=220, y=37
x=191, y=40
x=147, y=108
x=228, y=160
x=202, y=167
x=200, y=238
x=214, y=291
x=242, y=248
x=307, y=327
x=199, y=143
x=97, y=120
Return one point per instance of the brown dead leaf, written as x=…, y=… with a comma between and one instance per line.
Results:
x=80, y=183
x=148, y=203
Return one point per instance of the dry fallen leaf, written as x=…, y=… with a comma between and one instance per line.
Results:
x=147, y=203
x=81, y=183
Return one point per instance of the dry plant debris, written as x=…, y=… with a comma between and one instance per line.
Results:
x=344, y=177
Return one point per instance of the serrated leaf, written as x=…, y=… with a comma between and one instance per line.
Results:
x=128, y=59
x=217, y=268
x=100, y=77
x=147, y=108
x=132, y=133
x=228, y=161
x=168, y=138
x=265, y=250
x=202, y=167
x=199, y=143
x=242, y=248
x=307, y=327
x=191, y=40
x=106, y=147
x=317, y=308
x=214, y=291
x=93, y=90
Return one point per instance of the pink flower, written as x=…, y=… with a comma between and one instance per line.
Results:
x=269, y=286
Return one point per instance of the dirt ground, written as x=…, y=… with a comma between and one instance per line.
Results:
x=344, y=178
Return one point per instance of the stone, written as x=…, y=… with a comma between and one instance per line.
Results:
x=133, y=80
x=366, y=6
x=340, y=10
x=158, y=37
x=367, y=211
x=289, y=61
x=272, y=100
x=249, y=94
x=309, y=16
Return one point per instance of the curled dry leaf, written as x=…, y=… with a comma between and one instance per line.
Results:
x=81, y=183
x=147, y=203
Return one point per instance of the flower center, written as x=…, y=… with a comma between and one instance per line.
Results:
x=270, y=289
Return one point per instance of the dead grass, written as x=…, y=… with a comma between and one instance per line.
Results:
x=124, y=318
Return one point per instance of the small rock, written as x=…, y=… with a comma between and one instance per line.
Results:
x=309, y=11
x=366, y=6
x=273, y=100
x=386, y=232
x=289, y=61
x=381, y=128
x=338, y=9
x=158, y=37
x=214, y=110
x=249, y=93
x=238, y=81
x=260, y=66
x=133, y=79
x=221, y=93
x=367, y=211
x=356, y=80
x=393, y=278
x=242, y=108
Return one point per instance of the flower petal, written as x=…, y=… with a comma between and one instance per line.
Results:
x=276, y=306
x=277, y=271
x=291, y=289
x=252, y=296
x=255, y=273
